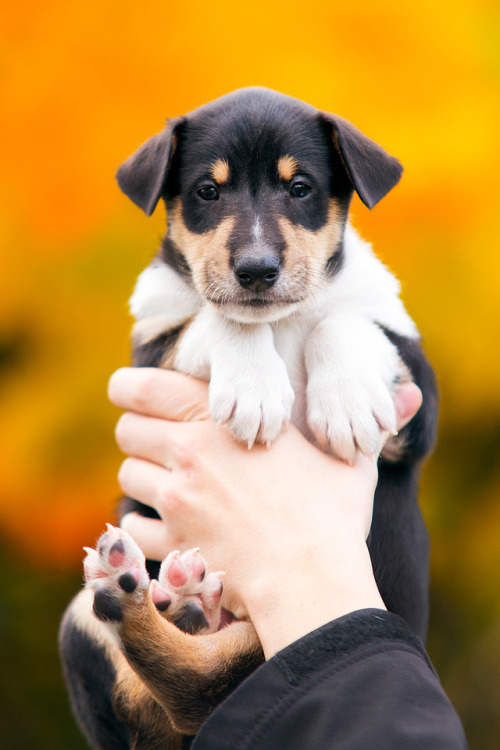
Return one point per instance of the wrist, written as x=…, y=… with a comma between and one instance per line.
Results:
x=323, y=588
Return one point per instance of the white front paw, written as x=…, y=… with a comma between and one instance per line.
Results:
x=352, y=368
x=254, y=399
x=347, y=414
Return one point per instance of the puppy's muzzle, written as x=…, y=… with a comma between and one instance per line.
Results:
x=257, y=274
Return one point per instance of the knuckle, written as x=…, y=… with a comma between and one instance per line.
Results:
x=192, y=444
x=185, y=455
x=170, y=501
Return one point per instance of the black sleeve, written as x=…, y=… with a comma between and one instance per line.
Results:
x=362, y=681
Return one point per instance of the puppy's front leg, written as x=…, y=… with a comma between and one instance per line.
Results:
x=249, y=385
x=352, y=370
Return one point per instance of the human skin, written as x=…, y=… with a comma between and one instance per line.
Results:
x=288, y=524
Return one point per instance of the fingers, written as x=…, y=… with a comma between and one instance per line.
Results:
x=159, y=393
x=407, y=401
x=170, y=445
x=148, y=438
x=149, y=533
x=147, y=482
x=173, y=396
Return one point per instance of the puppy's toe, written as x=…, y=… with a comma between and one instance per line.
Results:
x=187, y=594
x=116, y=571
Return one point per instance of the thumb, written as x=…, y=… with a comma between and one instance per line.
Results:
x=407, y=401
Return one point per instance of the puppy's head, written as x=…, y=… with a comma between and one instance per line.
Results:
x=257, y=187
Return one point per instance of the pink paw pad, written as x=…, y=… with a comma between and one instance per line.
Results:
x=161, y=598
x=117, y=559
x=187, y=594
x=184, y=593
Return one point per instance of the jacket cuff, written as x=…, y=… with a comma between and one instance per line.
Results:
x=344, y=637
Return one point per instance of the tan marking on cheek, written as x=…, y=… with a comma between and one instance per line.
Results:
x=220, y=171
x=287, y=166
x=207, y=254
x=308, y=249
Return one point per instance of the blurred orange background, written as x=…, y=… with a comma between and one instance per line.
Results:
x=83, y=85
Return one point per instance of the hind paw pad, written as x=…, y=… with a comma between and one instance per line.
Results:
x=185, y=592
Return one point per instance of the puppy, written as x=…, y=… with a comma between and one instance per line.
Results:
x=262, y=287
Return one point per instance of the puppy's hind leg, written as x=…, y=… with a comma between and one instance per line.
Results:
x=187, y=674
x=112, y=706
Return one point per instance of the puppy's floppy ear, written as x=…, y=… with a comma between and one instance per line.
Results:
x=372, y=171
x=142, y=177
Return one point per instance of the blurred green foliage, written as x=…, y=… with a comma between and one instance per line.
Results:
x=35, y=711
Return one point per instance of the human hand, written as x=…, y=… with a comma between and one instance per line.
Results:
x=287, y=524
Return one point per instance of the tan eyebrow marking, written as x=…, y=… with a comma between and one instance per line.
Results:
x=220, y=171
x=287, y=167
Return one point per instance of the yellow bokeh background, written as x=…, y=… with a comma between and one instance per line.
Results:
x=82, y=85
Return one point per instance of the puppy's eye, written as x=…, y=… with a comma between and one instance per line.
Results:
x=208, y=193
x=299, y=190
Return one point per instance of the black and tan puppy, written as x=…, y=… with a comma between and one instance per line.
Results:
x=262, y=287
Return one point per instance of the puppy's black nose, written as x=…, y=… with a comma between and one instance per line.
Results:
x=257, y=274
